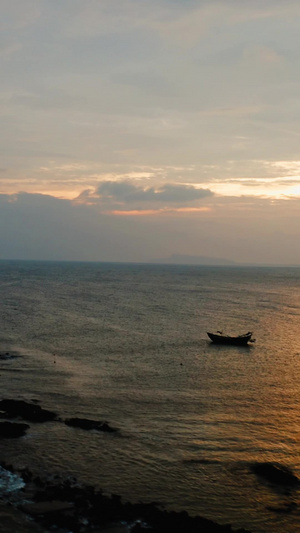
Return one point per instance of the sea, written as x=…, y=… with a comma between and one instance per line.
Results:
x=127, y=344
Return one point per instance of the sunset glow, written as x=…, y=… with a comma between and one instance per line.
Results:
x=167, y=211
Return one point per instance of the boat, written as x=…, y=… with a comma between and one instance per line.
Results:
x=239, y=340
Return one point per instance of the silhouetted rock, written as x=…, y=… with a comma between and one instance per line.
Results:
x=6, y=355
x=84, y=423
x=67, y=505
x=275, y=473
x=41, y=508
x=25, y=410
x=10, y=430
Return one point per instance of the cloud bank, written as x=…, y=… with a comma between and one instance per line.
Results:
x=44, y=227
x=129, y=196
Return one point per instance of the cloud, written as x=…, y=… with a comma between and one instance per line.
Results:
x=240, y=229
x=16, y=15
x=114, y=86
x=114, y=194
x=262, y=54
x=8, y=49
x=34, y=226
x=195, y=21
x=288, y=167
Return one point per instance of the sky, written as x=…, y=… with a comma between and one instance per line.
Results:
x=133, y=130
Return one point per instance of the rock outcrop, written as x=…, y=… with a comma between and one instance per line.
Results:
x=84, y=423
x=9, y=430
x=276, y=474
x=26, y=411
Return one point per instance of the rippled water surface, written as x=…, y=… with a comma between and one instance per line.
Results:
x=128, y=344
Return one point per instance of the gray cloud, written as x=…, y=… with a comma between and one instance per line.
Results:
x=116, y=66
x=91, y=91
x=129, y=193
x=44, y=227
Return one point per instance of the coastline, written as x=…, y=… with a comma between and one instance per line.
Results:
x=31, y=501
x=38, y=502
x=50, y=503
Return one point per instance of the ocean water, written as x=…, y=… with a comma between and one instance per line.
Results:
x=127, y=344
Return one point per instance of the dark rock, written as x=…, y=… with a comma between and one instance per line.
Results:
x=53, y=506
x=25, y=410
x=84, y=423
x=26, y=475
x=64, y=504
x=38, y=481
x=6, y=355
x=276, y=473
x=10, y=430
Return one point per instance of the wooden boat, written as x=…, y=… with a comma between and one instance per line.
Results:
x=240, y=340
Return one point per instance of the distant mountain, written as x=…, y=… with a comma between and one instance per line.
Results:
x=180, y=259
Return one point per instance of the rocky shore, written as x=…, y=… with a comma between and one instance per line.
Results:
x=64, y=505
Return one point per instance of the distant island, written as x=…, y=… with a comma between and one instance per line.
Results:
x=202, y=260
x=181, y=259
x=174, y=259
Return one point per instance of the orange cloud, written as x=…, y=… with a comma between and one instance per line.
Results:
x=149, y=212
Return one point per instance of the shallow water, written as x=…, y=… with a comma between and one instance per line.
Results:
x=128, y=344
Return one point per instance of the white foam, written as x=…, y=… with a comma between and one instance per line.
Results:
x=9, y=482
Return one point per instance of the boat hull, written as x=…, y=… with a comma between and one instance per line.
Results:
x=242, y=340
